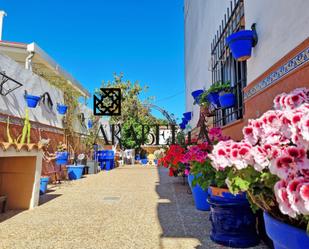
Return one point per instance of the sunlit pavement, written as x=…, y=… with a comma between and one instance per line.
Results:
x=128, y=207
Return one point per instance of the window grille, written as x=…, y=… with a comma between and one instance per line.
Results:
x=225, y=68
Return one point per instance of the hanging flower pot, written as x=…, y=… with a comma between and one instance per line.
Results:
x=232, y=220
x=227, y=100
x=32, y=100
x=62, y=109
x=241, y=44
x=182, y=126
x=195, y=94
x=200, y=196
x=90, y=124
x=213, y=98
x=296, y=239
x=62, y=158
x=187, y=115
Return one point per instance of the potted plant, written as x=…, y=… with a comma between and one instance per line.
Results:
x=211, y=96
x=233, y=222
x=271, y=164
x=62, y=155
x=32, y=100
x=197, y=157
x=187, y=116
x=241, y=44
x=62, y=109
x=226, y=97
x=196, y=94
x=158, y=154
x=173, y=160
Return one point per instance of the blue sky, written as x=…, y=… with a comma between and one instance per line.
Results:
x=93, y=39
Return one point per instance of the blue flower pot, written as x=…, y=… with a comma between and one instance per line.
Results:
x=232, y=220
x=285, y=236
x=241, y=44
x=227, y=100
x=43, y=185
x=137, y=157
x=90, y=124
x=196, y=94
x=199, y=195
x=62, y=109
x=144, y=161
x=75, y=171
x=155, y=161
x=62, y=158
x=187, y=115
x=182, y=126
x=32, y=101
x=213, y=98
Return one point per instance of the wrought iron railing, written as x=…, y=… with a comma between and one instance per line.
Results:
x=225, y=68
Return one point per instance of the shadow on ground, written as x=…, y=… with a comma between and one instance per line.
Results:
x=178, y=216
x=9, y=214
x=47, y=197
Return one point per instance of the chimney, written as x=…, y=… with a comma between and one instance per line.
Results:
x=2, y=14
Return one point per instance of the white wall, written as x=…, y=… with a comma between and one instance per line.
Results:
x=281, y=26
x=202, y=20
x=14, y=103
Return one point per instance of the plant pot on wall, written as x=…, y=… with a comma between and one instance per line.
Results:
x=241, y=44
x=232, y=220
x=196, y=94
x=187, y=115
x=32, y=100
x=227, y=100
x=62, y=109
x=276, y=230
x=213, y=98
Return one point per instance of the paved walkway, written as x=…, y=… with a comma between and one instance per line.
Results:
x=130, y=207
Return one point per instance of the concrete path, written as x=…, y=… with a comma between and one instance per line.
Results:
x=130, y=207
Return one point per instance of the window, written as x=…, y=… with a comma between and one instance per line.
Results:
x=225, y=68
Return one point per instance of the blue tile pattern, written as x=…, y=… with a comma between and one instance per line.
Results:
x=291, y=65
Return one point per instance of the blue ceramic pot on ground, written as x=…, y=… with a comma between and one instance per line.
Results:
x=75, y=171
x=213, y=98
x=62, y=158
x=232, y=220
x=155, y=161
x=241, y=44
x=43, y=185
x=62, y=109
x=144, y=161
x=199, y=195
x=196, y=94
x=285, y=236
x=227, y=100
x=32, y=100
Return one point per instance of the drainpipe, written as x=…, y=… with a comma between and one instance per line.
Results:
x=2, y=14
x=28, y=63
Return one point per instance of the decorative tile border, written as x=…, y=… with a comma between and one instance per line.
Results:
x=291, y=65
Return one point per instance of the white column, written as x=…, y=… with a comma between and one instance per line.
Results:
x=2, y=14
